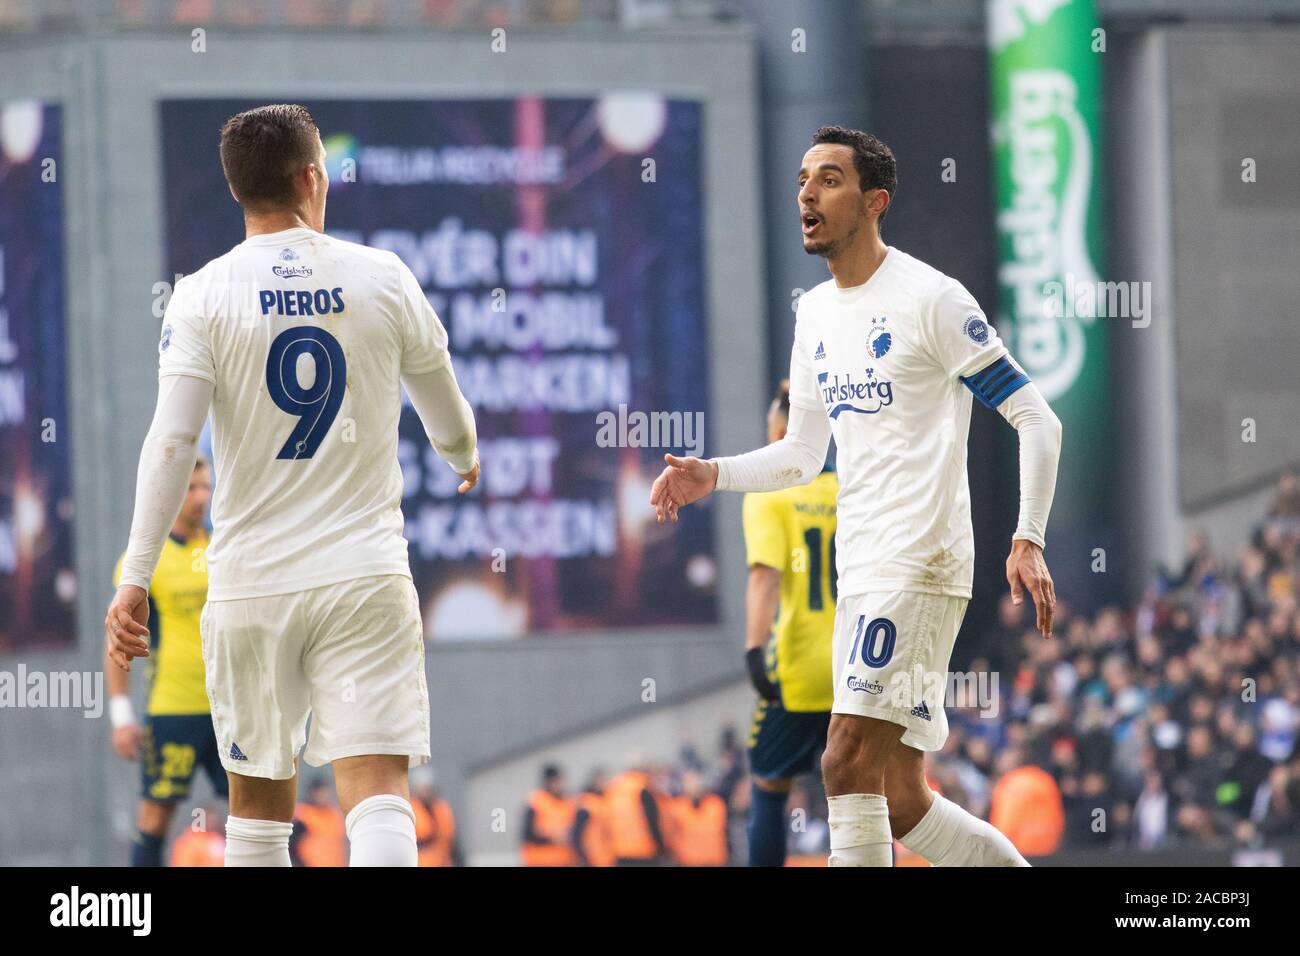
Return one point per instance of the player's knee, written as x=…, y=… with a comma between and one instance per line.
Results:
x=361, y=777
x=839, y=763
x=856, y=754
x=843, y=764
x=256, y=798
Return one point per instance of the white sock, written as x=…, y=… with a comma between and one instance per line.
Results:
x=949, y=836
x=382, y=832
x=860, y=830
x=257, y=842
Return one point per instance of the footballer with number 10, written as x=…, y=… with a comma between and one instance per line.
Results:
x=887, y=357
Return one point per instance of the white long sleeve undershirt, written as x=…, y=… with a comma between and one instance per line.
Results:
x=445, y=414
x=166, y=463
x=798, y=457
x=794, y=460
x=1039, y=431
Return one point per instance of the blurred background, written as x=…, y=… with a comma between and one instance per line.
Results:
x=598, y=197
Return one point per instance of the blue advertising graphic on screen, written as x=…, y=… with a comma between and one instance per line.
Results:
x=561, y=243
x=37, y=580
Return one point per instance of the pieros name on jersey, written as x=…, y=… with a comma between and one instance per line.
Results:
x=301, y=302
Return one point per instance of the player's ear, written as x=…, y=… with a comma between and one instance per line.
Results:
x=232, y=192
x=877, y=202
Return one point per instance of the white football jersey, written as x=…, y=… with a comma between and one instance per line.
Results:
x=894, y=363
x=305, y=338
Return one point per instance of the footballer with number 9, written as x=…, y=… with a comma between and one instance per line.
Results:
x=888, y=355
x=299, y=344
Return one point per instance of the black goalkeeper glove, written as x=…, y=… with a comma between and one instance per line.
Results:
x=755, y=663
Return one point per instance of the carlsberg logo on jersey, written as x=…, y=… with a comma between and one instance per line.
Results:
x=844, y=393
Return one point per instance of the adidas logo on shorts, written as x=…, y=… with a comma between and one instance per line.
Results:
x=235, y=752
x=920, y=710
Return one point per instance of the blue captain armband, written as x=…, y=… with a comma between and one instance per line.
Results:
x=995, y=383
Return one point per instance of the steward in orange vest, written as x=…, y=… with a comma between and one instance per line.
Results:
x=634, y=819
x=593, y=840
x=435, y=830
x=319, y=833
x=699, y=825
x=548, y=823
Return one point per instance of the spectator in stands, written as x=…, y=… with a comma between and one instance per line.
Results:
x=593, y=838
x=1151, y=814
x=1275, y=809
x=1286, y=499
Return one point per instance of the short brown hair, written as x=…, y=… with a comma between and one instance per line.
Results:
x=262, y=151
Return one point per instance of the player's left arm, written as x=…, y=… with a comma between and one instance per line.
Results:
x=969, y=348
x=166, y=462
x=430, y=382
x=1039, y=431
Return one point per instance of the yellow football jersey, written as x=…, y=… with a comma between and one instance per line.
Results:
x=793, y=531
x=177, y=593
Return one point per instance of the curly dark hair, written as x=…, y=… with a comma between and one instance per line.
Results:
x=263, y=149
x=873, y=160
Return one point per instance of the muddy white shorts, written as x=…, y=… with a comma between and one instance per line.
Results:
x=350, y=655
x=891, y=652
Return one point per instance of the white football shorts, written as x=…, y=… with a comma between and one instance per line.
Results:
x=350, y=655
x=891, y=652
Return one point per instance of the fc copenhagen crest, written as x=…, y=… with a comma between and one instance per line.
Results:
x=879, y=340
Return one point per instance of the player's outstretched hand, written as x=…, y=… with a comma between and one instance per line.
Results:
x=124, y=625
x=683, y=481
x=1025, y=566
x=471, y=477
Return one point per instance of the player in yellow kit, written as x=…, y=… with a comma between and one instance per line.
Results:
x=177, y=735
x=790, y=549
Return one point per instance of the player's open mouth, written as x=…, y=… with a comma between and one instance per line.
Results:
x=810, y=222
